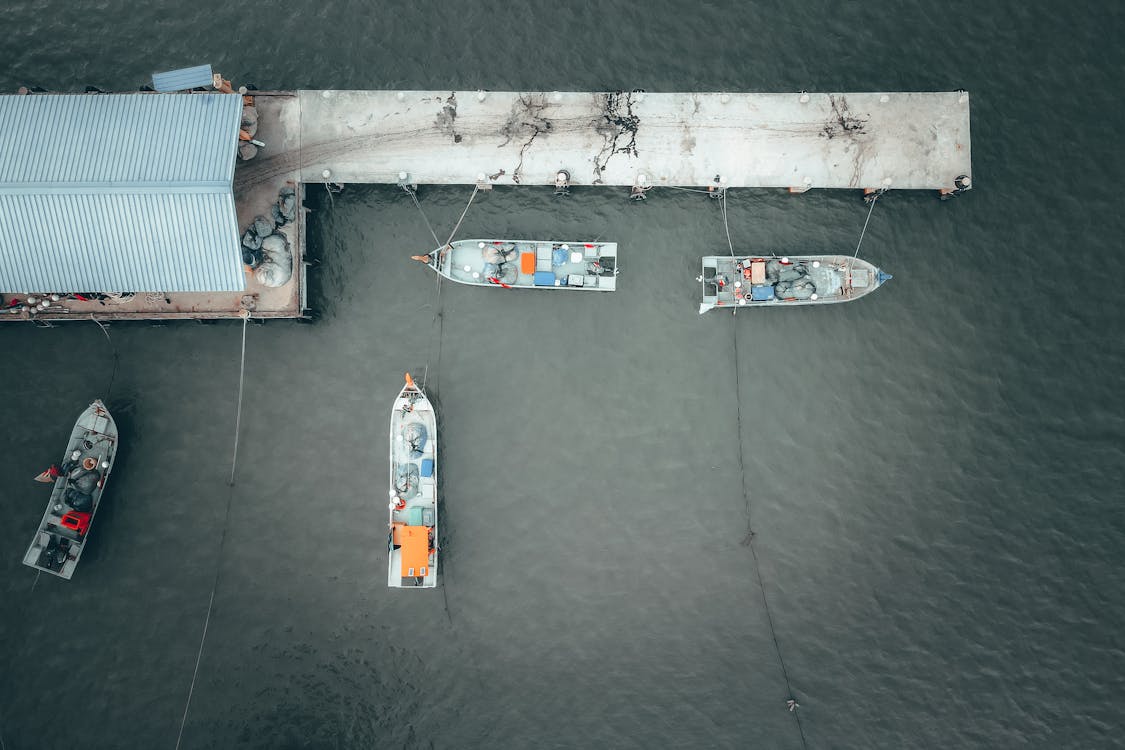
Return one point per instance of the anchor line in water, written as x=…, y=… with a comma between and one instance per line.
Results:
x=749, y=541
x=223, y=534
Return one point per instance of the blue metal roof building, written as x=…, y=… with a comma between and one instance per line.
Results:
x=119, y=193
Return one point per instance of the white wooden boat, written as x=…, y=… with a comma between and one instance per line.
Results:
x=413, y=536
x=527, y=264
x=747, y=281
x=76, y=496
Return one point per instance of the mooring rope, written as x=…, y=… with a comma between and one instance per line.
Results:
x=238, y=412
x=723, y=206
x=414, y=197
x=245, y=314
x=874, y=200
x=439, y=317
x=476, y=189
x=113, y=373
x=749, y=540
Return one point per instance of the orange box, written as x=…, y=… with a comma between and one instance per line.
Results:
x=527, y=263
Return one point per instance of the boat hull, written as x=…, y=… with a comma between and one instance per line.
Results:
x=528, y=264
x=412, y=491
x=736, y=282
x=76, y=495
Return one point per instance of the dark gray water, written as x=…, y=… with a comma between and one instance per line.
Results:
x=933, y=473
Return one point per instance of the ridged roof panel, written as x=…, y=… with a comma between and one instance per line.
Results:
x=105, y=140
x=120, y=242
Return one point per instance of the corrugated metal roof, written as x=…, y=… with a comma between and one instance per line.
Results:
x=120, y=242
x=182, y=79
x=106, y=139
x=119, y=193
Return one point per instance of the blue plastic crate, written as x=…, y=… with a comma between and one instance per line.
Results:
x=544, y=278
x=761, y=293
x=427, y=467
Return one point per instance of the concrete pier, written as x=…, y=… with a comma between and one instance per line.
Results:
x=795, y=141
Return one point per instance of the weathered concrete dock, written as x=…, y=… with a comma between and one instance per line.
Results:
x=796, y=141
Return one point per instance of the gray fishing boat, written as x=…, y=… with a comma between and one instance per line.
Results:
x=527, y=264
x=78, y=486
x=413, y=491
x=747, y=281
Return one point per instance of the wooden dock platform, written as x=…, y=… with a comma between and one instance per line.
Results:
x=796, y=141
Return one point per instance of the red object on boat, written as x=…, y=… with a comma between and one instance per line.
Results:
x=76, y=521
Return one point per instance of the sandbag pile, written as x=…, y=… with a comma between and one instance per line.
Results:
x=246, y=149
x=264, y=249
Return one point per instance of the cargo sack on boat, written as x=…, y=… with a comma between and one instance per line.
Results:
x=801, y=289
x=80, y=501
x=85, y=481
x=414, y=435
x=492, y=254
x=509, y=274
x=559, y=257
x=792, y=273
x=510, y=253
x=277, y=261
x=406, y=481
x=773, y=271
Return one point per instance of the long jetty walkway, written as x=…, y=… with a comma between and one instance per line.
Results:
x=796, y=141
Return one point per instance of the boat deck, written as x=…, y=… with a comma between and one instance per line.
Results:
x=409, y=548
x=542, y=265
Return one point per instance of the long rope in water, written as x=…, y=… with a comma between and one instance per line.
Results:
x=476, y=189
x=414, y=197
x=238, y=411
x=749, y=541
x=223, y=535
x=439, y=318
x=723, y=206
x=874, y=200
x=113, y=373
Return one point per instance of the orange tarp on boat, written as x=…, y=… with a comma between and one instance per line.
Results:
x=415, y=549
x=527, y=263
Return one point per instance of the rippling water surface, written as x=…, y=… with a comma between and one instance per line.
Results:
x=933, y=473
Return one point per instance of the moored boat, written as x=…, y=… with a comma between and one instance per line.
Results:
x=76, y=496
x=749, y=281
x=527, y=264
x=413, y=491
